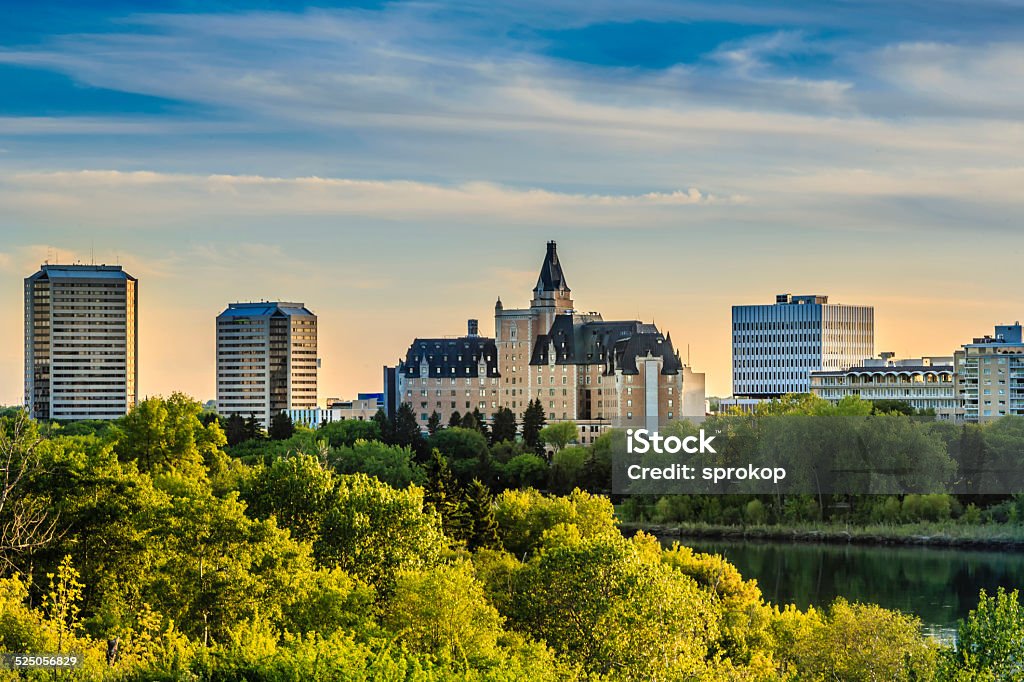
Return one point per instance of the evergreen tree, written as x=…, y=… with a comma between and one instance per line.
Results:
x=405, y=431
x=481, y=421
x=469, y=422
x=434, y=423
x=253, y=430
x=455, y=419
x=234, y=429
x=281, y=427
x=444, y=494
x=533, y=421
x=480, y=508
x=503, y=425
x=384, y=424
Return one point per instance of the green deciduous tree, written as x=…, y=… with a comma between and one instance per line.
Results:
x=444, y=612
x=559, y=434
x=167, y=434
x=348, y=431
x=990, y=641
x=391, y=464
x=297, y=490
x=373, y=531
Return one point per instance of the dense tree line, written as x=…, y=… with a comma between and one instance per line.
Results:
x=366, y=551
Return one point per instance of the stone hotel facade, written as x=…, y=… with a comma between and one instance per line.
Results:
x=581, y=367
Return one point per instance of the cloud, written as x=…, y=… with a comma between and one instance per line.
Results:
x=101, y=194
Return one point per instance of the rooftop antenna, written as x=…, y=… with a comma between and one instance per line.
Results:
x=92, y=249
x=688, y=356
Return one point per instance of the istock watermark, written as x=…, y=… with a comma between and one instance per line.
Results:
x=805, y=454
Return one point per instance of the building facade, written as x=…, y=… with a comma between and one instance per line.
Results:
x=924, y=383
x=81, y=342
x=776, y=347
x=989, y=379
x=266, y=359
x=581, y=367
x=361, y=409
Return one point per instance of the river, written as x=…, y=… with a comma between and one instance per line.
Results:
x=939, y=586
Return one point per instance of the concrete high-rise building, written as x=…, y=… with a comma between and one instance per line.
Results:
x=266, y=359
x=776, y=347
x=989, y=377
x=81, y=342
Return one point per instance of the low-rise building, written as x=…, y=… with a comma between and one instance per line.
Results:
x=361, y=409
x=924, y=383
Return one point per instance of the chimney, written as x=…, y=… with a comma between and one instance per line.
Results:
x=473, y=327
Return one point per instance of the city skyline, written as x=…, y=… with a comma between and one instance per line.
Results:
x=397, y=167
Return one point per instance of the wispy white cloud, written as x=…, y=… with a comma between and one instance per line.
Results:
x=130, y=194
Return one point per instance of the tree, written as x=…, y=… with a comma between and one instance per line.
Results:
x=503, y=426
x=281, y=427
x=612, y=605
x=296, y=490
x=25, y=522
x=405, y=431
x=234, y=429
x=445, y=496
x=253, y=429
x=559, y=434
x=455, y=419
x=526, y=471
x=345, y=432
x=480, y=507
x=524, y=516
x=374, y=531
x=567, y=468
x=990, y=642
x=434, y=423
x=384, y=425
x=167, y=434
x=533, y=422
x=445, y=613
x=855, y=642
x=466, y=451
x=481, y=422
x=389, y=464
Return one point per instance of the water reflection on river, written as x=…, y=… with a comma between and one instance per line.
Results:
x=937, y=585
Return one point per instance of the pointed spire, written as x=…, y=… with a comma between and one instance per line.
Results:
x=551, y=276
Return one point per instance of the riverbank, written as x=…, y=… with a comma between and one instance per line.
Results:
x=995, y=536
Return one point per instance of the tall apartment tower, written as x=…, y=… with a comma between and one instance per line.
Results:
x=81, y=341
x=989, y=375
x=266, y=359
x=776, y=347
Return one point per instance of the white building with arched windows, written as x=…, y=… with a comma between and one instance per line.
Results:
x=923, y=383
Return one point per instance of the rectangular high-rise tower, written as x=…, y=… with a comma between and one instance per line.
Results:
x=776, y=347
x=266, y=359
x=81, y=340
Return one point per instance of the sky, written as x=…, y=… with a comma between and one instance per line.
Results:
x=399, y=165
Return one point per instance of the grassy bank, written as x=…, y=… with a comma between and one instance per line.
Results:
x=984, y=536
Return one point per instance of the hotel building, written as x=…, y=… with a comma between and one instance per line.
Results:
x=989, y=377
x=923, y=383
x=776, y=347
x=266, y=359
x=81, y=342
x=581, y=367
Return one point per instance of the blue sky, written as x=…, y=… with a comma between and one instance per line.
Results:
x=398, y=165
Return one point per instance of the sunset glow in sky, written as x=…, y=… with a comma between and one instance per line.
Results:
x=397, y=166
